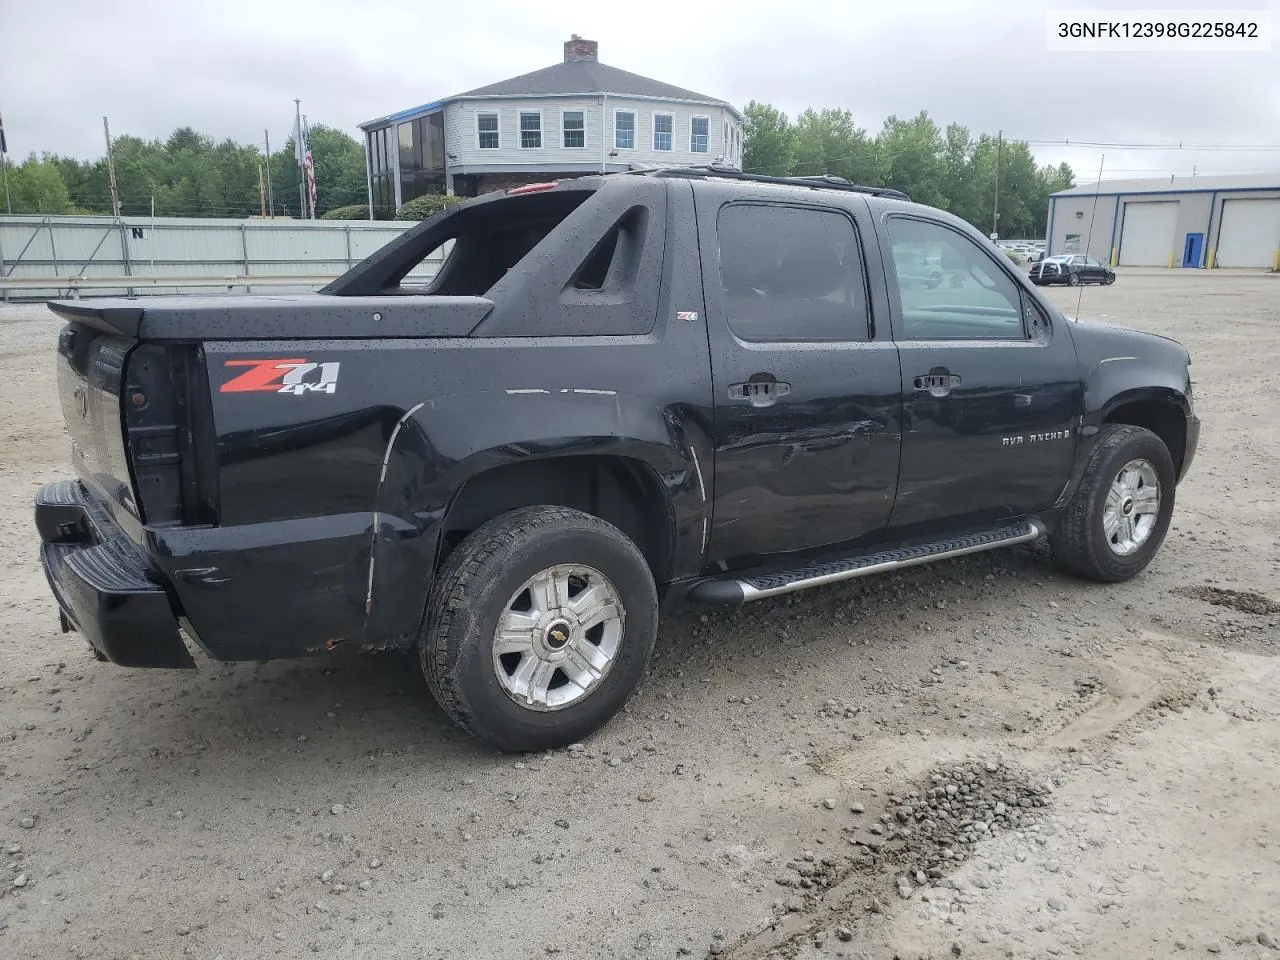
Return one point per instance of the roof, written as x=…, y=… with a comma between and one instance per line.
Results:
x=1251, y=181
x=572, y=77
x=584, y=76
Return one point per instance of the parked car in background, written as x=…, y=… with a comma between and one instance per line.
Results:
x=1071, y=269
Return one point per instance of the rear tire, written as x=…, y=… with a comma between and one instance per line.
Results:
x=539, y=628
x=1073, y=280
x=1118, y=517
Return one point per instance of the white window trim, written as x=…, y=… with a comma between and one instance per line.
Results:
x=635, y=127
x=489, y=113
x=582, y=111
x=542, y=129
x=699, y=116
x=653, y=131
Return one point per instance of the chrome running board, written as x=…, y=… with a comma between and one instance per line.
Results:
x=745, y=589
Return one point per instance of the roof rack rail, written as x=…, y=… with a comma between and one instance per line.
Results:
x=823, y=182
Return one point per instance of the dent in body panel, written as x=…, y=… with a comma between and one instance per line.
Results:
x=261, y=591
x=442, y=444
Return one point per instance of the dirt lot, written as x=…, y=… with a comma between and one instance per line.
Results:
x=779, y=787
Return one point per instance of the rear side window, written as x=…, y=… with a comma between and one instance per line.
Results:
x=792, y=273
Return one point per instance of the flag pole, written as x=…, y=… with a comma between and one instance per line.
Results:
x=297, y=152
x=4, y=175
x=271, y=197
x=4, y=168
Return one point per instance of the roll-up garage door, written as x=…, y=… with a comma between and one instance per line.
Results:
x=1146, y=239
x=1250, y=233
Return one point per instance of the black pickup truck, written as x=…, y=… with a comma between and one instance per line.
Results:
x=618, y=392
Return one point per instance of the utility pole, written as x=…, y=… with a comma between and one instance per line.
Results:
x=995, y=207
x=111, y=172
x=271, y=198
x=262, y=193
x=297, y=152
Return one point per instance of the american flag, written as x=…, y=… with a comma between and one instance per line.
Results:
x=302, y=151
x=310, y=167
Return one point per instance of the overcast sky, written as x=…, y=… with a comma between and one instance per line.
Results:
x=232, y=68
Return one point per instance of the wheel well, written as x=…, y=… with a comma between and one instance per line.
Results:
x=1166, y=420
x=618, y=490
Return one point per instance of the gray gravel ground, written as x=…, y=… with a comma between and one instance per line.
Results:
x=981, y=758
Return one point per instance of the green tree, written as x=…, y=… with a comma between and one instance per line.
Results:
x=914, y=158
x=338, y=160
x=829, y=142
x=36, y=186
x=768, y=140
x=958, y=184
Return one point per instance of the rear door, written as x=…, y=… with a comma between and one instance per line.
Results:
x=806, y=377
x=992, y=391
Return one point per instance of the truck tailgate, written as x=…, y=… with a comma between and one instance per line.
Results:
x=90, y=374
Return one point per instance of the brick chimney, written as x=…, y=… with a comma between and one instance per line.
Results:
x=578, y=49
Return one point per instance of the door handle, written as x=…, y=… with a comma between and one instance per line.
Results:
x=937, y=383
x=762, y=390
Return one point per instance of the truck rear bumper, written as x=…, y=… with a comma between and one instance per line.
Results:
x=106, y=587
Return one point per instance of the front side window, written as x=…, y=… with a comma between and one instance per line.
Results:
x=487, y=131
x=624, y=130
x=663, y=131
x=530, y=129
x=792, y=274
x=949, y=288
x=700, y=135
x=575, y=129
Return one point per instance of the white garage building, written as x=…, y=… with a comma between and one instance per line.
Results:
x=1189, y=222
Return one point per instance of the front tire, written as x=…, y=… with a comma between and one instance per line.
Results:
x=539, y=628
x=1118, y=517
x=1073, y=280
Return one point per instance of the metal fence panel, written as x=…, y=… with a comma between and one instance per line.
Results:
x=182, y=247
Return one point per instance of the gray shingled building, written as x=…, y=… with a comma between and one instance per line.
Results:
x=576, y=117
x=1171, y=222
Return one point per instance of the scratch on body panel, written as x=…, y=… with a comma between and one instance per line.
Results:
x=377, y=519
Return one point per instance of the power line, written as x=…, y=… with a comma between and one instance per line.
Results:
x=1099, y=144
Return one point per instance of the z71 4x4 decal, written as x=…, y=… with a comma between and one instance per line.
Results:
x=282, y=376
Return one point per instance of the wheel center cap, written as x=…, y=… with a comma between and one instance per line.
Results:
x=1127, y=508
x=557, y=635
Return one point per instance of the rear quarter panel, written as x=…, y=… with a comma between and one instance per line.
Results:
x=332, y=499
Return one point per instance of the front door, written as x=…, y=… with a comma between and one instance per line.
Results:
x=1093, y=270
x=991, y=388
x=1191, y=250
x=807, y=391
